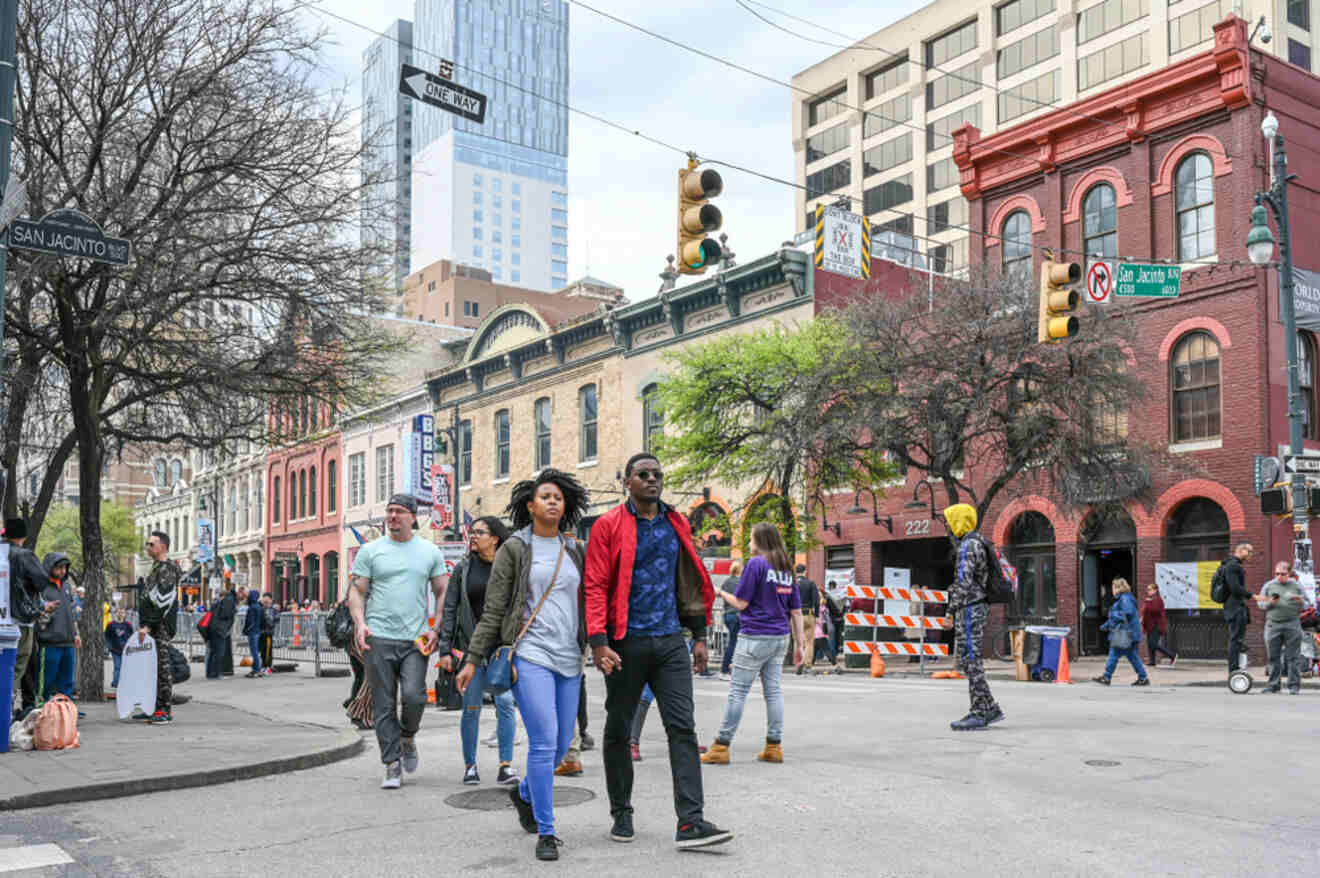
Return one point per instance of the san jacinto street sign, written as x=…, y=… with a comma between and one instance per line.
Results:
x=69, y=232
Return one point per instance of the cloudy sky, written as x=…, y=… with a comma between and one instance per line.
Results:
x=621, y=188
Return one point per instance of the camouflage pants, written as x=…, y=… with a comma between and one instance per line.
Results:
x=970, y=628
x=164, y=673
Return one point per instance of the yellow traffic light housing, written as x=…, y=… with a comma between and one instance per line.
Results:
x=1057, y=302
x=696, y=217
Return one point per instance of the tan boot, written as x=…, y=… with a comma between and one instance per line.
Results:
x=718, y=754
x=773, y=752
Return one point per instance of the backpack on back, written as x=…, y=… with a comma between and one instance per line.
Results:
x=1001, y=577
x=57, y=725
x=1219, y=585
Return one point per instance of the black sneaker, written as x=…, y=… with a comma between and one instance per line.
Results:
x=588, y=742
x=1141, y=681
x=506, y=776
x=700, y=834
x=1102, y=680
x=547, y=847
x=524, y=809
x=623, y=828
x=470, y=775
x=994, y=717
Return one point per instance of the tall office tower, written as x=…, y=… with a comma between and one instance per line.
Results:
x=495, y=195
x=387, y=118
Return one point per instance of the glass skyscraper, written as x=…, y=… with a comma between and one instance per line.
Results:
x=387, y=118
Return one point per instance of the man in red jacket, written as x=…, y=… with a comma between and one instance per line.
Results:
x=644, y=583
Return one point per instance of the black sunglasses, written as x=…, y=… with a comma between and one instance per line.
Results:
x=648, y=474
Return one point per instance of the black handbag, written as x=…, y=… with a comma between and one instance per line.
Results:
x=179, y=670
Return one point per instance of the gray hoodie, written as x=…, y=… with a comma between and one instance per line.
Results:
x=63, y=625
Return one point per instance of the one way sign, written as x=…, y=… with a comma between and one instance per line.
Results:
x=438, y=92
x=1302, y=464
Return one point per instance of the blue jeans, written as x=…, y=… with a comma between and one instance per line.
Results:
x=548, y=703
x=1131, y=654
x=119, y=663
x=471, y=722
x=254, y=650
x=732, y=622
x=756, y=656
x=58, y=664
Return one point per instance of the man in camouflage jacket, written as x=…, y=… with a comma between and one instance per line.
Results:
x=158, y=616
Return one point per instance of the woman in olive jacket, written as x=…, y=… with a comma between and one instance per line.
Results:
x=465, y=599
x=539, y=566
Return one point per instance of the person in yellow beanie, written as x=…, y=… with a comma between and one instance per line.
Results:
x=968, y=611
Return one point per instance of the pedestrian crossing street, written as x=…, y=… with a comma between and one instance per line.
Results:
x=32, y=856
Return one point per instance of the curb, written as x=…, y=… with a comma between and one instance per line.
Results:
x=349, y=744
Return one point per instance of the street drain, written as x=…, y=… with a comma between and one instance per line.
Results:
x=1102, y=763
x=498, y=798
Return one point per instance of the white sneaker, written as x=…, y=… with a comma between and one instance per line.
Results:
x=393, y=777
x=724, y=677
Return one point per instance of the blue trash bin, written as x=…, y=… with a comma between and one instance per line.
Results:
x=1051, y=641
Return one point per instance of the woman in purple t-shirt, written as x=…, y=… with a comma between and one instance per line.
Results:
x=771, y=612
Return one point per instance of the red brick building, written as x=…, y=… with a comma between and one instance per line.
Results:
x=1162, y=168
x=303, y=515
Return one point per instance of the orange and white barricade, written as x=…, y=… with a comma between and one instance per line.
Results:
x=895, y=647
x=914, y=623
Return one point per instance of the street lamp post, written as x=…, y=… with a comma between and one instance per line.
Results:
x=1260, y=249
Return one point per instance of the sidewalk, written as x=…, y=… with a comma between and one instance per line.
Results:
x=229, y=730
x=1187, y=672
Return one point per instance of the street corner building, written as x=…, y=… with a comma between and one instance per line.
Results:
x=1161, y=168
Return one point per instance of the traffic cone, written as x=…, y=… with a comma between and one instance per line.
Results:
x=1063, y=676
x=297, y=625
x=877, y=665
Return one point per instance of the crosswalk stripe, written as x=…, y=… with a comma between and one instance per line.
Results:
x=33, y=856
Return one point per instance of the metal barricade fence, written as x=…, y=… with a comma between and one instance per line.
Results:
x=298, y=637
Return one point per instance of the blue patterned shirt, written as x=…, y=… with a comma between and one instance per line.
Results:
x=653, y=601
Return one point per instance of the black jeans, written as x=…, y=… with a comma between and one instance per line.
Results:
x=1237, y=632
x=1155, y=643
x=662, y=662
x=215, y=655
x=395, y=668
x=582, y=707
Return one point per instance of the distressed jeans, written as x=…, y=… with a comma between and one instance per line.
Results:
x=396, y=670
x=470, y=725
x=757, y=656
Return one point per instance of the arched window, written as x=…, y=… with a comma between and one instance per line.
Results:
x=1194, y=194
x=311, y=492
x=587, y=413
x=1306, y=382
x=543, y=421
x=502, y=444
x=176, y=471
x=331, y=486
x=710, y=515
x=1198, y=531
x=1196, y=387
x=1100, y=222
x=302, y=493
x=293, y=496
x=275, y=501
x=1017, y=244
x=653, y=418
x=161, y=473
x=1031, y=549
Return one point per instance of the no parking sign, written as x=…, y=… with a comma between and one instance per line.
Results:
x=1100, y=283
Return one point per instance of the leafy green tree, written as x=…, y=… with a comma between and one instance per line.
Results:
x=756, y=411
x=63, y=533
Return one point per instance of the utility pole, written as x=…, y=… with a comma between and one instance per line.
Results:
x=1260, y=248
x=8, y=79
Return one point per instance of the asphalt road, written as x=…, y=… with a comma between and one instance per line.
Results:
x=1079, y=780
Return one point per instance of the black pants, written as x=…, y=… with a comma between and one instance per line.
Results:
x=358, y=670
x=264, y=644
x=1155, y=643
x=582, y=707
x=397, y=673
x=1237, y=632
x=664, y=663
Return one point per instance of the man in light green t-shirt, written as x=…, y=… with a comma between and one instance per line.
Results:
x=388, y=602
x=1283, y=601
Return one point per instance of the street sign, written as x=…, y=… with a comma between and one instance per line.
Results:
x=1302, y=464
x=1149, y=281
x=1267, y=470
x=68, y=232
x=843, y=242
x=440, y=92
x=1100, y=283
x=15, y=201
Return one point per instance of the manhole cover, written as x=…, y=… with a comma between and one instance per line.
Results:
x=1102, y=763
x=498, y=798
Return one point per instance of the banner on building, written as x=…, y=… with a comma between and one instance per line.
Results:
x=205, y=541
x=1186, y=585
x=1306, y=298
x=442, y=489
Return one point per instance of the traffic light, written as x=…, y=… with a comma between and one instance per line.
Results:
x=696, y=217
x=1276, y=500
x=1057, y=301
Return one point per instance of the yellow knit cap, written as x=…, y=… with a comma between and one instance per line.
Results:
x=961, y=518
